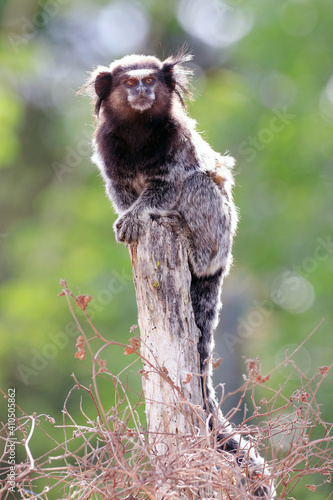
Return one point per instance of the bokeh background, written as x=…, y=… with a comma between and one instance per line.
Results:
x=263, y=81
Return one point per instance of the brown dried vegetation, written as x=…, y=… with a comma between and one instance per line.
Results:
x=111, y=457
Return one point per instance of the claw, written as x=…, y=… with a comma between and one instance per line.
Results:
x=128, y=228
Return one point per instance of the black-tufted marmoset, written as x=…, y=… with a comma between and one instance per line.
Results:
x=155, y=164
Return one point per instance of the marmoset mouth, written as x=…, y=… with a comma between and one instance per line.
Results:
x=143, y=98
x=142, y=103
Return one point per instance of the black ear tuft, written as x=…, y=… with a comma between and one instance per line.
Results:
x=103, y=83
x=99, y=83
x=176, y=76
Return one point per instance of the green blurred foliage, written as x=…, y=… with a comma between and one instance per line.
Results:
x=267, y=98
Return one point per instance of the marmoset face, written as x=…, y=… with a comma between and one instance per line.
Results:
x=140, y=86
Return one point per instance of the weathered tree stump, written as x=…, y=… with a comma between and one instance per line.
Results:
x=169, y=337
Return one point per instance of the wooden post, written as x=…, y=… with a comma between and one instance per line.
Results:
x=169, y=337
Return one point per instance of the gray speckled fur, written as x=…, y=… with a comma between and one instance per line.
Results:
x=155, y=164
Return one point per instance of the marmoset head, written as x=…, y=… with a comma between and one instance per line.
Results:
x=139, y=84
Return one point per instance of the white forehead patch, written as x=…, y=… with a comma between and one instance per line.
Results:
x=140, y=73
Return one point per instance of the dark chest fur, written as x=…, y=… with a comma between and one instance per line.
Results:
x=142, y=147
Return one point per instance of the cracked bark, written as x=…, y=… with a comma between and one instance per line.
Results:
x=169, y=337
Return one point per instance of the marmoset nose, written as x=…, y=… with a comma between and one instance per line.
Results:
x=141, y=89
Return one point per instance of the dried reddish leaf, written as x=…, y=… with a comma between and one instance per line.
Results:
x=254, y=369
x=81, y=353
x=165, y=370
x=82, y=301
x=187, y=379
x=133, y=347
x=324, y=370
x=251, y=364
x=61, y=294
x=304, y=397
x=311, y=487
x=128, y=350
x=144, y=374
x=134, y=342
x=102, y=365
x=216, y=363
x=80, y=341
